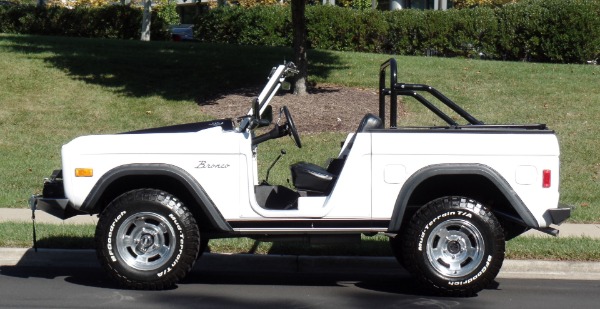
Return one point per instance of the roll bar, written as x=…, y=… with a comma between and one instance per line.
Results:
x=395, y=89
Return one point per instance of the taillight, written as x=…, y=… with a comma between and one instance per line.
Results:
x=546, y=178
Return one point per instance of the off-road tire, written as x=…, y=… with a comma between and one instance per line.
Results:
x=453, y=246
x=147, y=239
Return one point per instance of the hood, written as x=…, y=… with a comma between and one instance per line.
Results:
x=225, y=124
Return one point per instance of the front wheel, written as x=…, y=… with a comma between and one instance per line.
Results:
x=147, y=239
x=454, y=245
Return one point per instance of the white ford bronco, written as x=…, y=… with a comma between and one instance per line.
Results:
x=447, y=196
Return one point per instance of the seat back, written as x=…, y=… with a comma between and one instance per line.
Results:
x=312, y=178
x=369, y=122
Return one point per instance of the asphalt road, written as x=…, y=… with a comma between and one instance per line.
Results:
x=53, y=287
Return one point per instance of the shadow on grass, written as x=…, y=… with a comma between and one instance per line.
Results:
x=173, y=71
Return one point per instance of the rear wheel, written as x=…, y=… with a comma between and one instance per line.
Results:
x=454, y=245
x=147, y=239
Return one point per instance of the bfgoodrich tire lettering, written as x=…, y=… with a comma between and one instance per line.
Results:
x=454, y=245
x=147, y=239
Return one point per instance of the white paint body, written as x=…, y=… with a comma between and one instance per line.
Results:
x=376, y=169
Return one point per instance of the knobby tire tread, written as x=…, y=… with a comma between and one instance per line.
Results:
x=192, y=240
x=411, y=257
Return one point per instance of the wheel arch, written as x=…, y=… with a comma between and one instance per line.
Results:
x=476, y=181
x=166, y=177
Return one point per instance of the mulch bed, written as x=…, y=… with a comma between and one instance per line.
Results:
x=325, y=109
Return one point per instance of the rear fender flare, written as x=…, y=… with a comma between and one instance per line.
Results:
x=458, y=169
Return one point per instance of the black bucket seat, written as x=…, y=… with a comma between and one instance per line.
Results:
x=318, y=181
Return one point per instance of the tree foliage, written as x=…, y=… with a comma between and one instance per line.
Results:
x=253, y=3
x=566, y=31
x=111, y=21
x=481, y=3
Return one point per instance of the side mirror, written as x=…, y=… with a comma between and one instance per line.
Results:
x=286, y=86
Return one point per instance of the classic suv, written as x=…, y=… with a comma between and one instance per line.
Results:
x=447, y=196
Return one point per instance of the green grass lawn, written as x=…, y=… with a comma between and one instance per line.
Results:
x=53, y=89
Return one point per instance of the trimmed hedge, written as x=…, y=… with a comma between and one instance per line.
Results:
x=258, y=25
x=115, y=21
x=337, y=28
x=550, y=30
x=566, y=31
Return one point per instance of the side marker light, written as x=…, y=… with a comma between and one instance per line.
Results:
x=84, y=172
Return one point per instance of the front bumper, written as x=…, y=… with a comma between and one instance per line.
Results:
x=58, y=207
x=53, y=200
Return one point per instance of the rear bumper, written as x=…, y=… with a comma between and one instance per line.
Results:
x=557, y=216
x=560, y=214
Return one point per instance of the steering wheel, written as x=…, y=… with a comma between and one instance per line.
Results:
x=291, y=128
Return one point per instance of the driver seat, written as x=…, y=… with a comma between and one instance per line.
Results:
x=318, y=181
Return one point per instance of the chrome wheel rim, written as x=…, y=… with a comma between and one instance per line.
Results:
x=455, y=248
x=146, y=241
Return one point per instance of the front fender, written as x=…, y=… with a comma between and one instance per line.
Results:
x=92, y=203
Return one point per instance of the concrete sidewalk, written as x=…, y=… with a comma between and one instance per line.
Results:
x=24, y=215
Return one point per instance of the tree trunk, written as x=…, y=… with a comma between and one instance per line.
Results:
x=299, y=24
x=146, y=17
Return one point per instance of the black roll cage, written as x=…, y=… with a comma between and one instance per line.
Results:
x=395, y=89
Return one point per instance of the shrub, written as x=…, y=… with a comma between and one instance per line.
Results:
x=551, y=30
x=405, y=33
x=331, y=27
x=267, y=26
x=474, y=32
x=480, y=3
x=566, y=31
x=531, y=30
x=253, y=3
x=114, y=21
x=167, y=11
x=257, y=25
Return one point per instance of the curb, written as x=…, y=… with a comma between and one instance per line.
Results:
x=521, y=269
x=556, y=270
